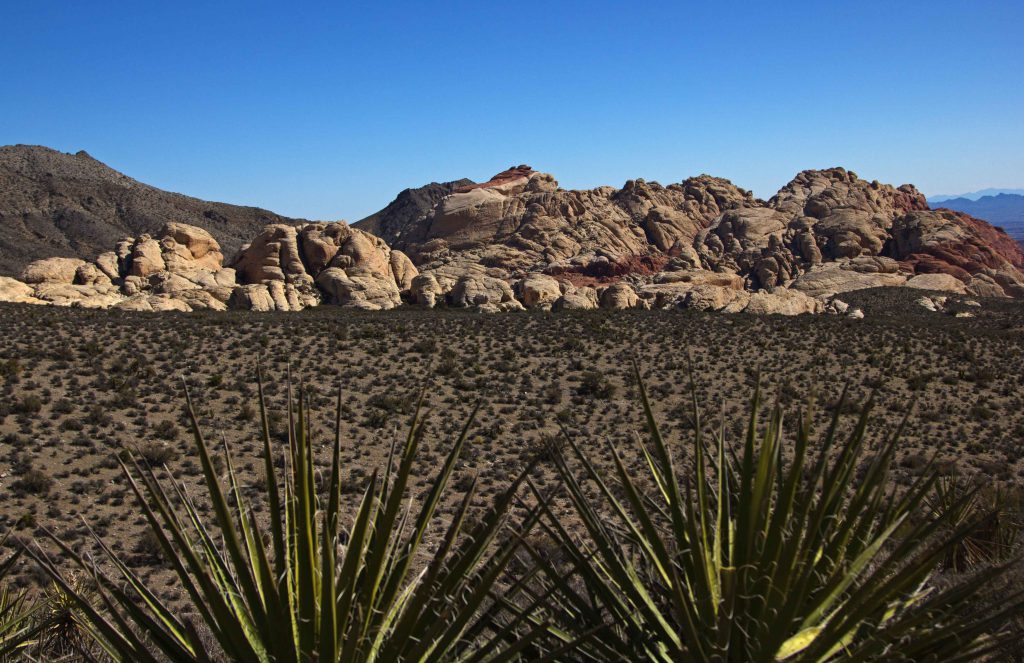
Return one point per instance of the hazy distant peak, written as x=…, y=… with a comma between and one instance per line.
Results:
x=973, y=195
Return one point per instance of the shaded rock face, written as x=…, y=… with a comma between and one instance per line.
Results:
x=401, y=222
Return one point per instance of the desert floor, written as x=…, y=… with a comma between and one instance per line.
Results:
x=79, y=387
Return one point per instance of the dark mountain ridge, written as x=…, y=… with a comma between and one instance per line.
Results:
x=71, y=205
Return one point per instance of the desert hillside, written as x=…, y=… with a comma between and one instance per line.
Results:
x=71, y=205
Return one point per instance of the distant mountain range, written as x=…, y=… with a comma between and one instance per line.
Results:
x=973, y=195
x=1005, y=210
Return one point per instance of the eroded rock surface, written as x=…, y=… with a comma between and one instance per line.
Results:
x=518, y=240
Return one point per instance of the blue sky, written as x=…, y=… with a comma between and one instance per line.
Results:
x=327, y=110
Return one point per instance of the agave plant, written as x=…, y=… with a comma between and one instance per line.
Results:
x=16, y=614
x=372, y=592
x=767, y=553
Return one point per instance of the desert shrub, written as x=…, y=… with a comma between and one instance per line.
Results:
x=156, y=454
x=34, y=482
x=246, y=412
x=424, y=346
x=148, y=547
x=29, y=404
x=166, y=430
x=10, y=368
x=449, y=363
x=596, y=384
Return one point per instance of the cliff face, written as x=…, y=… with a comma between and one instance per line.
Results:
x=519, y=240
x=71, y=205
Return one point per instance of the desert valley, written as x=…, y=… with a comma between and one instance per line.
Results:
x=550, y=313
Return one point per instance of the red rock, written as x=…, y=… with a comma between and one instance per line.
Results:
x=504, y=177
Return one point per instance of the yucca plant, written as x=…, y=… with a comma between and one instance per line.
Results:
x=61, y=634
x=778, y=551
x=994, y=540
x=314, y=592
x=16, y=614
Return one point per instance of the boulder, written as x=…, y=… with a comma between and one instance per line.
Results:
x=52, y=270
x=252, y=297
x=941, y=282
x=272, y=256
x=86, y=296
x=90, y=274
x=425, y=290
x=319, y=243
x=708, y=297
x=782, y=301
x=12, y=290
x=109, y=264
x=479, y=290
x=146, y=257
x=402, y=270
x=204, y=300
x=619, y=296
x=830, y=279
x=538, y=291
x=577, y=299
x=366, y=252
x=202, y=248
x=359, y=288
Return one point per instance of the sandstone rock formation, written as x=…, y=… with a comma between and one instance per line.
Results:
x=12, y=290
x=520, y=241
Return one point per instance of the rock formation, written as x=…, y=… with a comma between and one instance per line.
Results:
x=520, y=241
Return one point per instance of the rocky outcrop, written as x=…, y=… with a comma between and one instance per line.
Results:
x=519, y=241
x=330, y=261
x=52, y=270
x=521, y=221
x=833, y=278
x=538, y=291
x=12, y=290
x=983, y=257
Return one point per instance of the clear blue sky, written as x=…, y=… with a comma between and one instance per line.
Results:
x=327, y=110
